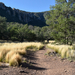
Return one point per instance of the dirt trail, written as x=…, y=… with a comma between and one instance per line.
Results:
x=41, y=64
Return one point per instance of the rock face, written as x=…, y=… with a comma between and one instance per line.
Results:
x=2, y=5
x=16, y=15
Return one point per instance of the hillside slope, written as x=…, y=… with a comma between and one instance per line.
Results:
x=16, y=15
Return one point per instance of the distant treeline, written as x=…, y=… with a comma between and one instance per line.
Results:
x=19, y=32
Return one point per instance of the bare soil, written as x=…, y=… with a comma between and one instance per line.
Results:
x=38, y=63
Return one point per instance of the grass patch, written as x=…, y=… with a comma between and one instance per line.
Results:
x=15, y=60
x=12, y=52
x=65, y=51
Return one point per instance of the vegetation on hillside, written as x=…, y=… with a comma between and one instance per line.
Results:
x=19, y=16
x=20, y=32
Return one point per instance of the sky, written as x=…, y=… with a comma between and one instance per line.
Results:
x=30, y=5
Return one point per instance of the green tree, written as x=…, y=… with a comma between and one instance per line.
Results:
x=12, y=30
x=38, y=33
x=62, y=21
x=3, y=27
x=26, y=34
x=13, y=33
x=19, y=32
x=46, y=31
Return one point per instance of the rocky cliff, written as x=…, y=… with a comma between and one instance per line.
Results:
x=16, y=15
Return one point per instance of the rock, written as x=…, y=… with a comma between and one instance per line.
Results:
x=2, y=5
x=8, y=11
x=22, y=16
x=22, y=71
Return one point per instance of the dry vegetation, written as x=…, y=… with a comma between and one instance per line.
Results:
x=50, y=41
x=65, y=51
x=12, y=52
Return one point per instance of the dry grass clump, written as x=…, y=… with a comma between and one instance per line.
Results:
x=9, y=55
x=70, y=54
x=3, y=54
x=21, y=52
x=15, y=60
x=63, y=50
x=21, y=46
x=50, y=41
x=40, y=46
x=54, y=47
x=60, y=49
x=34, y=45
x=73, y=46
x=31, y=47
x=7, y=50
x=73, y=53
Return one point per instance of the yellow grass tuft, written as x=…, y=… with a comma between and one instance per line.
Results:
x=68, y=54
x=60, y=49
x=21, y=52
x=50, y=41
x=72, y=53
x=63, y=50
x=63, y=53
x=9, y=55
x=15, y=60
x=7, y=50
x=3, y=54
x=1, y=57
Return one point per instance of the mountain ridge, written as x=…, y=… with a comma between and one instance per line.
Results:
x=16, y=15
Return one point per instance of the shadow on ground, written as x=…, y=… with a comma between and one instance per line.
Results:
x=30, y=55
x=26, y=65
x=1, y=67
x=31, y=65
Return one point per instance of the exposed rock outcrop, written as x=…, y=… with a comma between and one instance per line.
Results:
x=16, y=15
x=2, y=5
